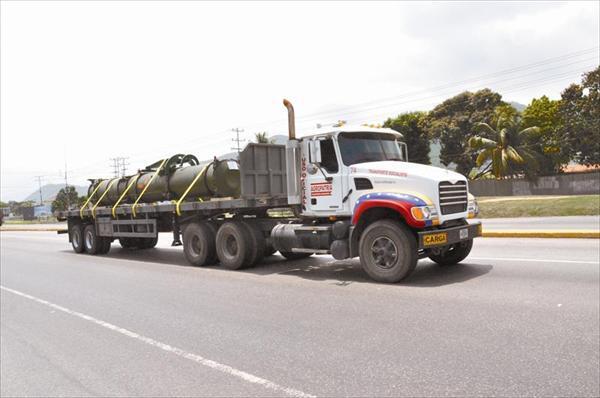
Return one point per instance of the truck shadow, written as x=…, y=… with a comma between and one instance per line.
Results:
x=340, y=273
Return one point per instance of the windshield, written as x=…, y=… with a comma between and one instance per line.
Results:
x=368, y=147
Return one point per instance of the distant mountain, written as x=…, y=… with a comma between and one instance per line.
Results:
x=49, y=192
x=517, y=106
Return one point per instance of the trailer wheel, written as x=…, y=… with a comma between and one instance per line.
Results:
x=91, y=241
x=199, y=244
x=453, y=254
x=77, y=238
x=233, y=245
x=388, y=251
x=257, y=244
x=294, y=255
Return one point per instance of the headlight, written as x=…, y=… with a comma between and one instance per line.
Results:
x=423, y=213
x=473, y=207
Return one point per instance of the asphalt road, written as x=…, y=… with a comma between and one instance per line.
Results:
x=518, y=318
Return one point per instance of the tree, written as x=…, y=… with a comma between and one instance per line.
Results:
x=507, y=150
x=452, y=122
x=412, y=127
x=263, y=138
x=65, y=198
x=552, y=154
x=580, y=115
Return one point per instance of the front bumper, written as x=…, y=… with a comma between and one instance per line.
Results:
x=447, y=236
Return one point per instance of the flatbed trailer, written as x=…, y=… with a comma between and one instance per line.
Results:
x=329, y=193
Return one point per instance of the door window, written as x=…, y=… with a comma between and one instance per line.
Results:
x=328, y=159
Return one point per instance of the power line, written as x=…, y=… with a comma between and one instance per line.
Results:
x=237, y=139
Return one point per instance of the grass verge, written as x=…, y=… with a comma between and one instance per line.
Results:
x=578, y=205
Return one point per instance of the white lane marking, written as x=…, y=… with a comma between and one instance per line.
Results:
x=166, y=347
x=535, y=260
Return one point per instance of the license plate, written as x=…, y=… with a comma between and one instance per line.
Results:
x=435, y=239
x=463, y=234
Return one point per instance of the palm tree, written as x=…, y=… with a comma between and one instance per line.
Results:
x=507, y=149
x=263, y=138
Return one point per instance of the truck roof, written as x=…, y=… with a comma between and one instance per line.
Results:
x=349, y=129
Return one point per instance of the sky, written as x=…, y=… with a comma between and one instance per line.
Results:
x=84, y=82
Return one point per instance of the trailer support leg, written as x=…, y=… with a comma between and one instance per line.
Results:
x=176, y=233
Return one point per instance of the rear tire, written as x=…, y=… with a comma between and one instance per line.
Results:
x=294, y=255
x=233, y=245
x=128, y=243
x=92, y=242
x=388, y=251
x=77, y=238
x=257, y=244
x=454, y=254
x=199, y=244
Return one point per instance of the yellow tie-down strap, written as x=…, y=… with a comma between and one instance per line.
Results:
x=102, y=197
x=146, y=187
x=133, y=181
x=189, y=188
x=88, y=200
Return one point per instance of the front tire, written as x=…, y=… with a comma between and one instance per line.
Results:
x=388, y=251
x=453, y=254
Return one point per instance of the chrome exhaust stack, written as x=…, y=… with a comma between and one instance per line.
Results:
x=292, y=160
x=291, y=119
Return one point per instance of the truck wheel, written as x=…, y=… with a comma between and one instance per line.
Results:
x=294, y=255
x=233, y=245
x=454, y=254
x=91, y=241
x=77, y=238
x=199, y=244
x=257, y=244
x=388, y=251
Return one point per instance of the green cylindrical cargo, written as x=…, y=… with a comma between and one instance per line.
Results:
x=220, y=178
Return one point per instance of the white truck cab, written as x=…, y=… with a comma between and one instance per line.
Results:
x=349, y=165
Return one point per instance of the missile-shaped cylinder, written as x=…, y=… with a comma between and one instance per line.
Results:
x=220, y=178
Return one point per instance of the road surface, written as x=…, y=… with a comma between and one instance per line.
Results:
x=519, y=318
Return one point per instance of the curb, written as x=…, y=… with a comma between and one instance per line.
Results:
x=542, y=234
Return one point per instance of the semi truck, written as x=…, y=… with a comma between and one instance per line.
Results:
x=342, y=191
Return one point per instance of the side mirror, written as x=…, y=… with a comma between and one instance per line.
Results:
x=314, y=148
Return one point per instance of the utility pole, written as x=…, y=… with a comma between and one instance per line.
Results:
x=237, y=139
x=119, y=166
x=39, y=178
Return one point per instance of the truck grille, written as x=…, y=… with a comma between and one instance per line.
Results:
x=453, y=197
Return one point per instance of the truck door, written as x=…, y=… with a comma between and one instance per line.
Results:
x=324, y=187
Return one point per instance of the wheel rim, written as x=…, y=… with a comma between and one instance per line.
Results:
x=231, y=246
x=196, y=246
x=384, y=252
x=76, y=239
x=89, y=240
